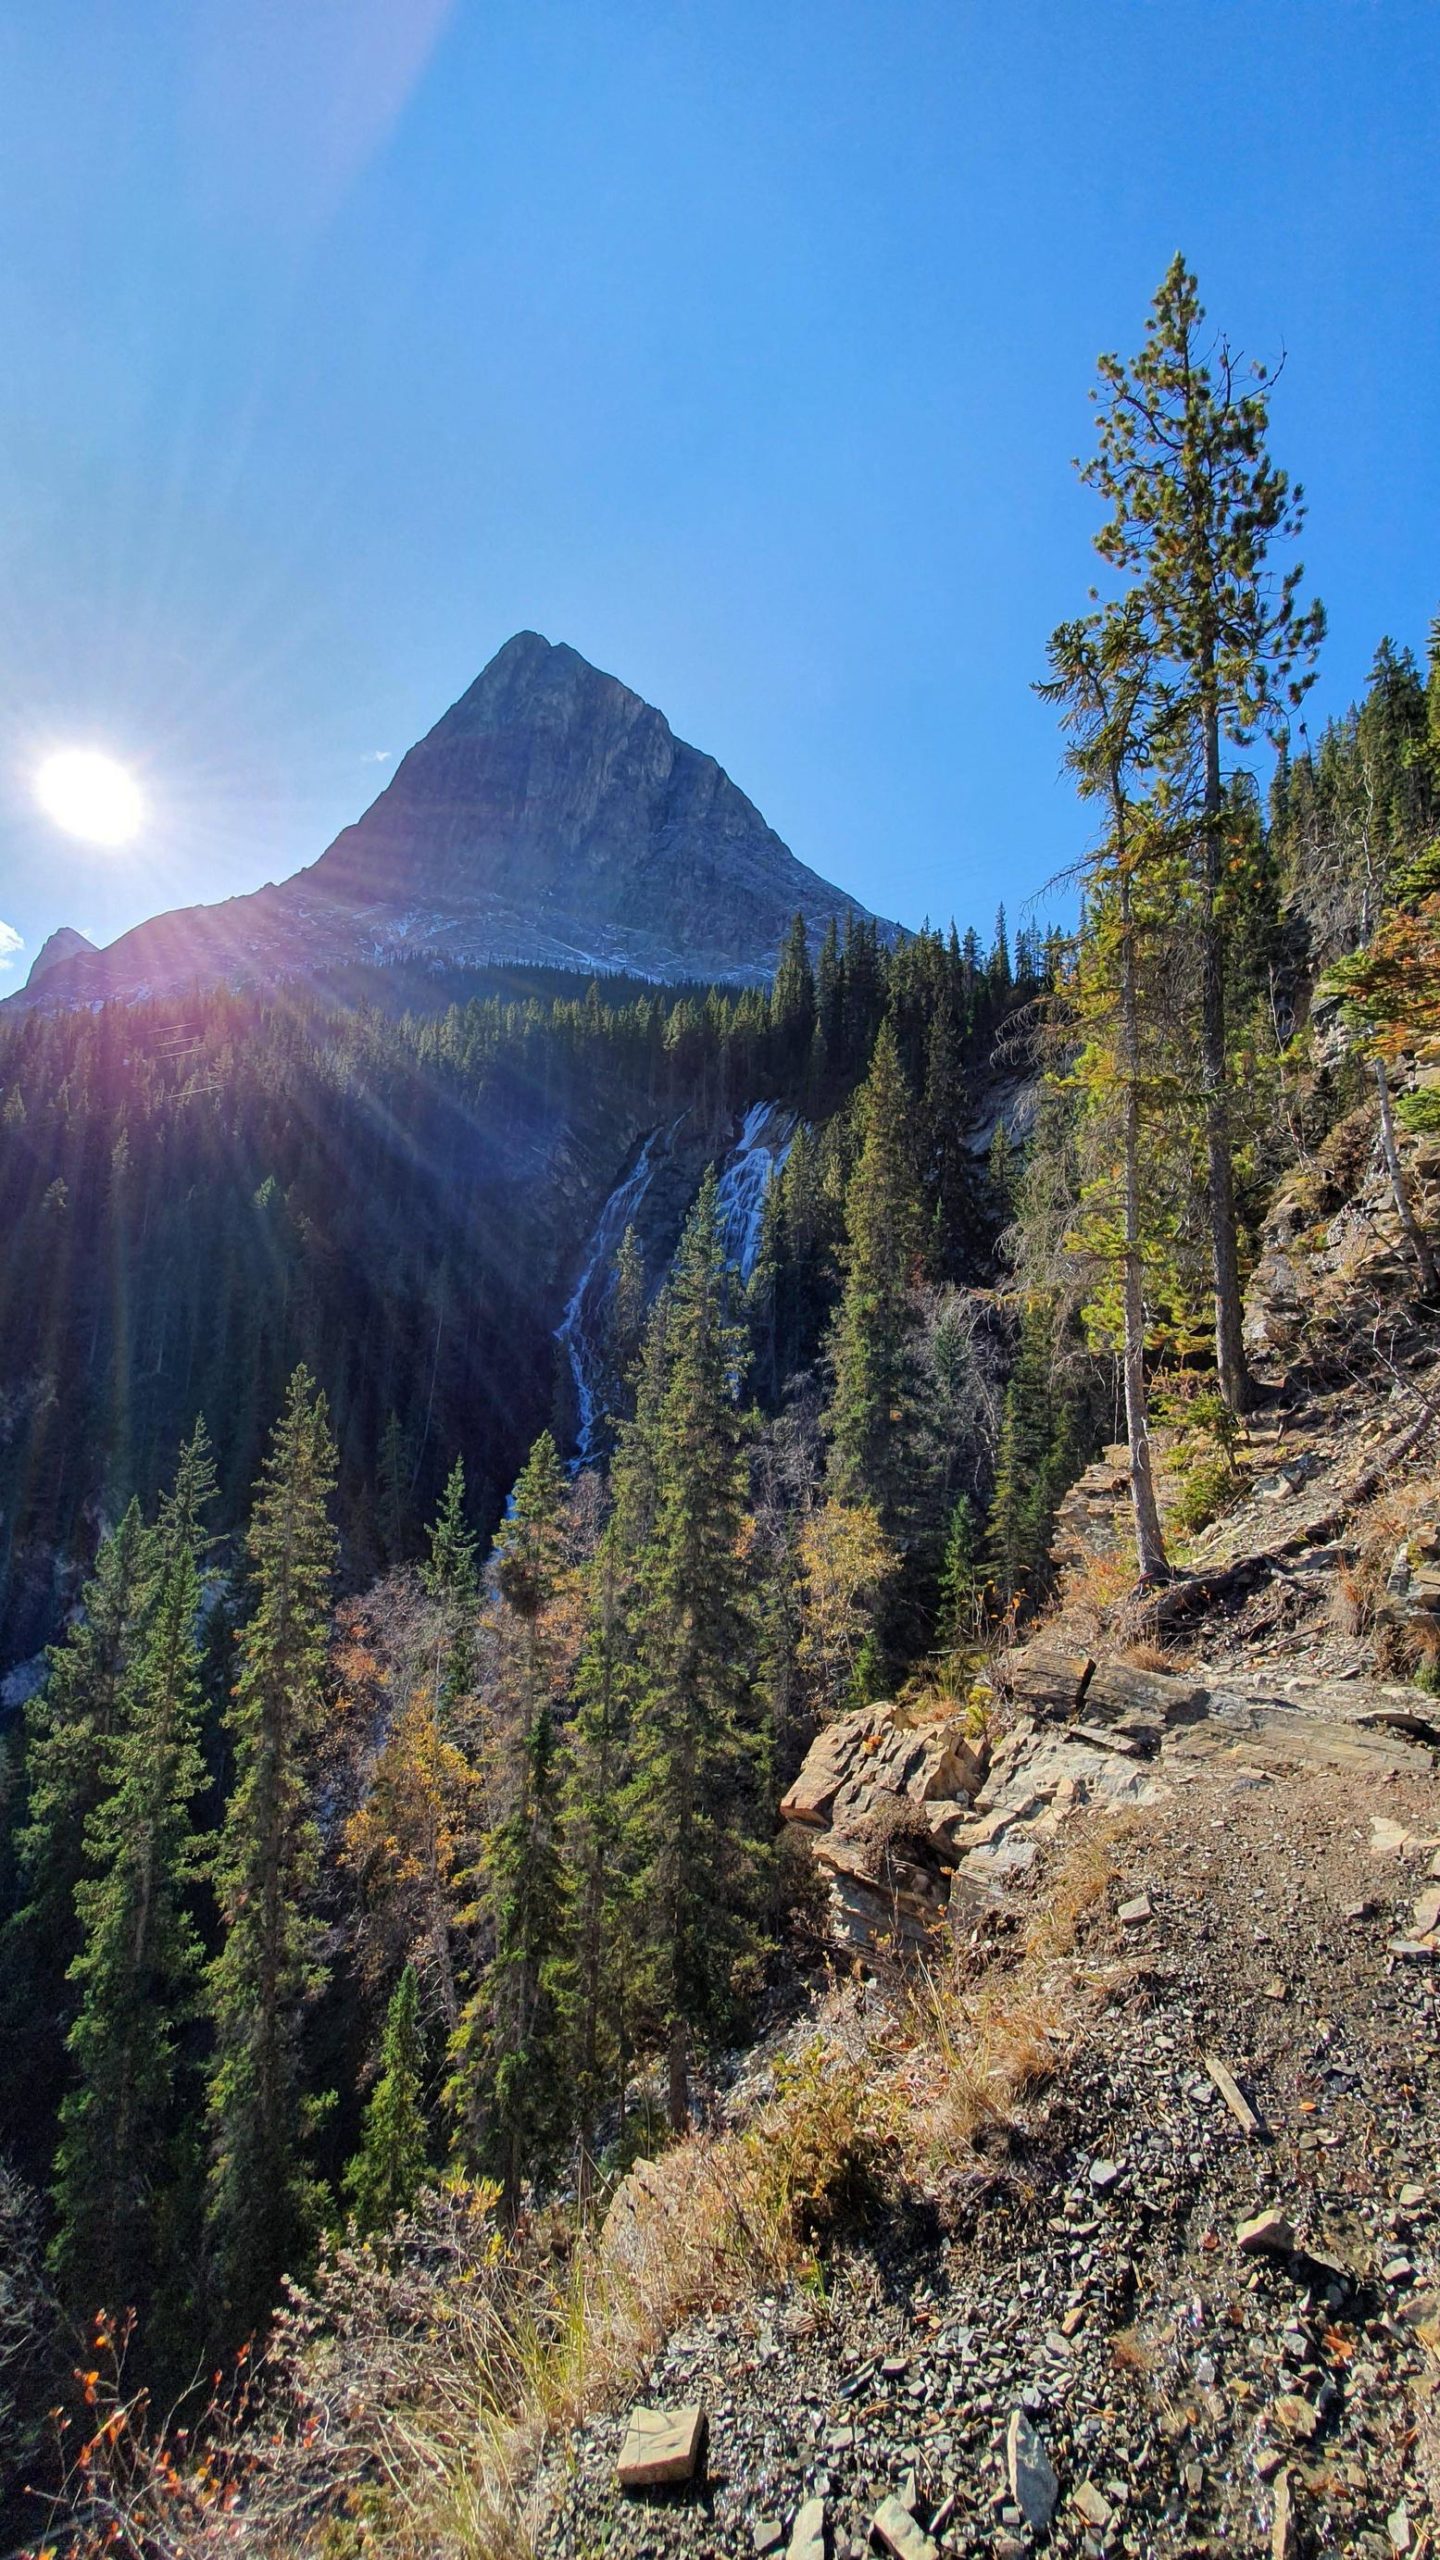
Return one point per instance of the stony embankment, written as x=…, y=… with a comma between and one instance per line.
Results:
x=1185, y=2297
x=1091, y=2281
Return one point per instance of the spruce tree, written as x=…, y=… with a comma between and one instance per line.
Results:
x=69, y=1728
x=870, y=1410
x=527, y=2105
x=1196, y=505
x=122, y=2167
x=1018, y=1531
x=506, y=2057
x=792, y=1003
x=389, y=2168
x=693, y=1800
x=451, y=1576
x=263, y=2200
x=591, y=1983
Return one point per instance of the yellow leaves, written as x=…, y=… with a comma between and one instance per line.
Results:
x=845, y=1559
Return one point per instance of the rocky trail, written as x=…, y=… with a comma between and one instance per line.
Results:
x=1183, y=2295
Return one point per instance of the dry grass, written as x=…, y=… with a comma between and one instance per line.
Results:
x=975, y=2052
x=1146, y=1657
x=407, y=2394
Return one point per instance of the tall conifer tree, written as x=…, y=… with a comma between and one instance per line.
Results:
x=263, y=2201
x=871, y=1341
x=693, y=1801
x=1196, y=505
x=388, y=2170
x=122, y=2168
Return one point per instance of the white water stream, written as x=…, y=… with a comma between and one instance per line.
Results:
x=745, y=1178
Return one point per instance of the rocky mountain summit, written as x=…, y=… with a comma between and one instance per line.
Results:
x=65, y=943
x=550, y=818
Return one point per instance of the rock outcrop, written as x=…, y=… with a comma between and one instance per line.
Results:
x=65, y=943
x=551, y=817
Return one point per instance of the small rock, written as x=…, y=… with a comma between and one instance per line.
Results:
x=807, y=2534
x=1103, y=2174
x=1398, y=2271
x=1427, y=1912
x=1412, y=2197
x=894, y=2525
x=1398, y=2528
x=1268, y=2230
x=1282, y=2532
x=766, y=2535
x=1030, y=2472
x=1295, y=2416
x=1274, y=1989
x=661, y=2446
x=1387, y=1839
x=1092, y=2506
x=1132, y=1915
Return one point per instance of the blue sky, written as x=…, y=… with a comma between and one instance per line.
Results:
x=742, y=343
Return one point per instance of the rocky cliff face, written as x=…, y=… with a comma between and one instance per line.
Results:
x=65, y=943
x=550, y=817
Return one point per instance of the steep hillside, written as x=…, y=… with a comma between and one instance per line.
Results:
x=550, y=817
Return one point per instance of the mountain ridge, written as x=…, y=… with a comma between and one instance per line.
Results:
x=550, y=816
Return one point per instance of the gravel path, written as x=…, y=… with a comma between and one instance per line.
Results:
x=1180, y=2387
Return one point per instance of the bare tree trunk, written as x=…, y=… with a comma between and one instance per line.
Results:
x=1235, y=1382
x=1414, y=1233
x=1149, y=1539
x=679, y=2078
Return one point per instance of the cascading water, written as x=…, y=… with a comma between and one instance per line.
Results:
x=581, y=1329
x=765, y=1139
x=745, y=1177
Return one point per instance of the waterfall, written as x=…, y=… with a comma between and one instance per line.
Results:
x=745, y=1177
x=759, y=1152
x=581, y=1330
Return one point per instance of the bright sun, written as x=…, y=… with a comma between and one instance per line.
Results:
x=89, y=794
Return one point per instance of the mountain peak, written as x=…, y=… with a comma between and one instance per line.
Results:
x=551, y=817
x=65, y=943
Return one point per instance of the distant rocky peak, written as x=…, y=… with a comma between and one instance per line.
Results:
x=65, y=943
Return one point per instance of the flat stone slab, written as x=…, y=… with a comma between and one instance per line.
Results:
x=895, y=2526
x=1267, y=2231
x=1031, y=2473
x=808, y=2540
x=661, y=2447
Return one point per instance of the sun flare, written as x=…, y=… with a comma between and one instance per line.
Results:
x=90, y=795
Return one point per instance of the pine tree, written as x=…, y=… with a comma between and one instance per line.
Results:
x=506, y=2062
x=792, y=1003
x=870, y=1409
x=263, y=2200
x=1196, y=504
x=523, y=2046
x=69, y=1728
x=692, y=1802
x=1018, y=1532
x=961, y=1581
x=389, y=2168
x=1100, y=676
x=591, y=1980
x=119, y=2189
x=451, y=1576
